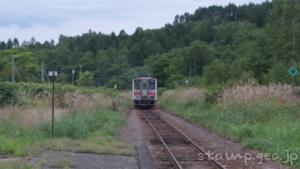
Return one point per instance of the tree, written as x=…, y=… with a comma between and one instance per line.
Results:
x=86, y=78
x=52, y=43
x=217, y=43
x=123, y=35
x=284, y=30
x=9, y=44
x=277, y=74
x=216, y=73
x=15, y=43
x=2, y=45
x=33, y=41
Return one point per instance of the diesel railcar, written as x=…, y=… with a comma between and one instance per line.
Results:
x=144, y=91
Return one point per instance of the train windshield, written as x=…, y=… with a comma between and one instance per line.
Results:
x=151, y=85
x=137, y=85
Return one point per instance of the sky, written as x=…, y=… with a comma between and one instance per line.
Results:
x=47, y=19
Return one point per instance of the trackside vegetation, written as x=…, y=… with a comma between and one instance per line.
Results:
x=269, y=124
x=87, y=120
x=78, y=125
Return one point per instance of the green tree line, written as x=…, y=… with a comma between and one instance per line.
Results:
x=214, y=45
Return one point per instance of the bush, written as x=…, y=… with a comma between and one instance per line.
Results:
x=216, y=73
x=7, y=94
x=278, y=74
x=213, y=96
x=86, y=79
x=296, y=91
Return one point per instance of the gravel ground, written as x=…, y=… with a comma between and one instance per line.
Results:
x=134, y=132
x=217, y=144
x=61, y=159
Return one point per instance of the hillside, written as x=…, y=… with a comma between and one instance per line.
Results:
x=214, y=45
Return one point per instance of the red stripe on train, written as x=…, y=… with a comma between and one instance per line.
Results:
x=137, y=93
x=151, y=93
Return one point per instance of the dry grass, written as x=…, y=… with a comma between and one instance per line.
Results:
x=251, y=92
x=240, y=93
x=35, y=110
x=28, y=115
x=125, y=94
x=103, y=100
x=185, y=94
x=17, y=163
x=115, y=147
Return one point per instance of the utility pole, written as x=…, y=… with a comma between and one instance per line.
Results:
x=190, y=72
x=42, y=72
x=195, y=67
x=52, y=127
x=73, y=73
x=13, y=80
x=52, y=75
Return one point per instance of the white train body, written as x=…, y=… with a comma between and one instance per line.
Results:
x=144, y=91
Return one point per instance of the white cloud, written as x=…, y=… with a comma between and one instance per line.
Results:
x=46, y=20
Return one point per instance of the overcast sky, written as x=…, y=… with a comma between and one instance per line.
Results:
x=47, y=19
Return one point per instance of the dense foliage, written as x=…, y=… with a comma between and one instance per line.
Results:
x=7, y=94
x=214, y=45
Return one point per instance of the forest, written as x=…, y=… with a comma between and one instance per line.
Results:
x=213, y=45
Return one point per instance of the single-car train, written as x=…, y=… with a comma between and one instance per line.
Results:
x=144, y=91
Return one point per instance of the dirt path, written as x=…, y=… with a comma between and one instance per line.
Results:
x=70, y=160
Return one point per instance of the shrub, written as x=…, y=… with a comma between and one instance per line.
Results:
x=7, y=94
x=296, y=91
x=215, y=73
x=278, y=74
x=86, y=78
x=212, y=96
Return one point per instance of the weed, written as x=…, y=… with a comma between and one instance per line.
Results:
x=267, y=119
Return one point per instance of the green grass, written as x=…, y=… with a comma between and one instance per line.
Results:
x=96, y=126
x=17, y=164
x=15, y=140
x=266, y=125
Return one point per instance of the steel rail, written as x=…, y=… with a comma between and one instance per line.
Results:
x=215, y=163
x=210, y=159
x=167, y=149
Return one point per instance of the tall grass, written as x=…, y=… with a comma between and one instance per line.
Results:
x=78, y=114
x=251, y=92
x=80, y=124
x=260, y=117
x=185, y=94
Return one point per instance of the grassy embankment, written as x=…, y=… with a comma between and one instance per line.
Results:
x=265, y=118
x=87, y=120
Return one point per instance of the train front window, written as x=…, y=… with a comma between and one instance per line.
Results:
x=152, y=85
x=137, y=85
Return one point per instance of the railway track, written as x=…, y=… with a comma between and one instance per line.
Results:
x=181, y=151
